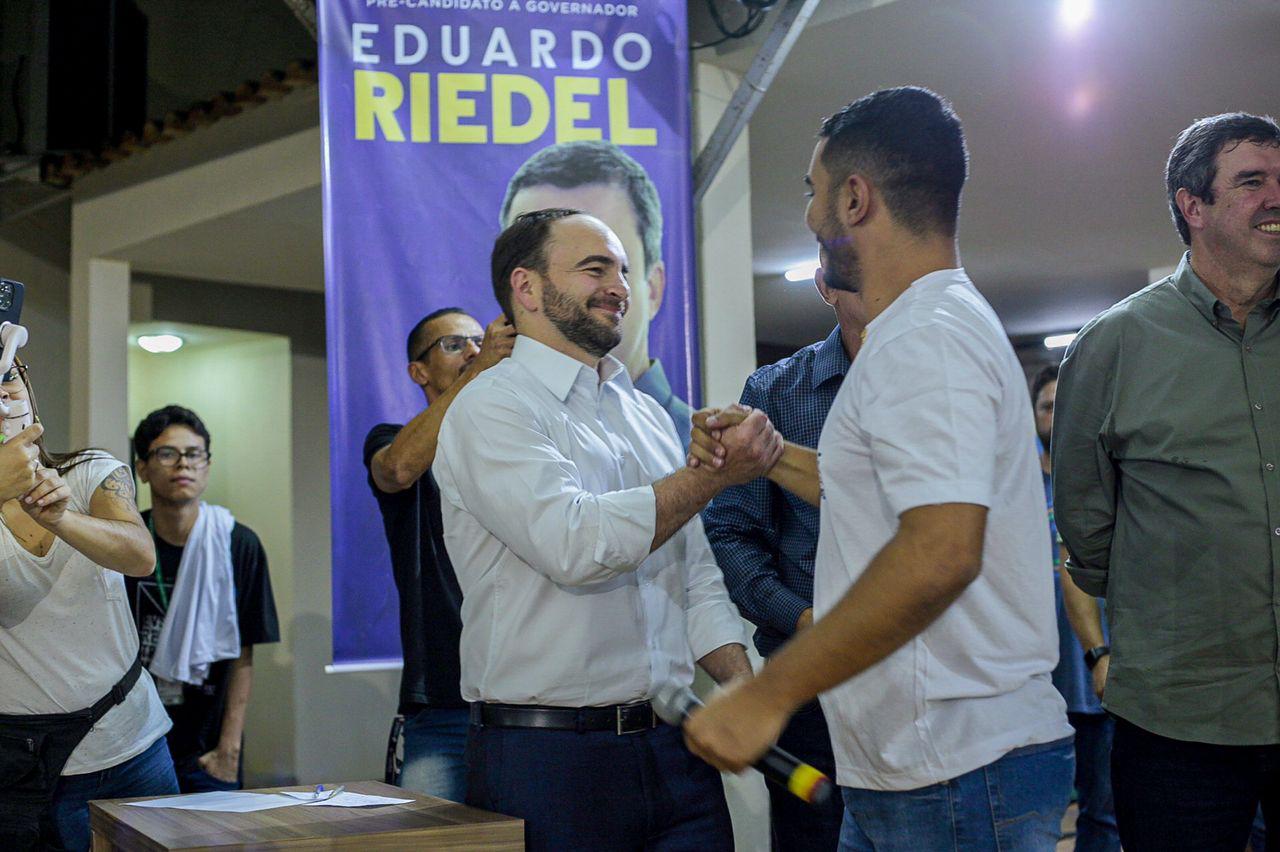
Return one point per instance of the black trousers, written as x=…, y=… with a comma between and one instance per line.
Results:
x=1193, y=797
x=798, y=826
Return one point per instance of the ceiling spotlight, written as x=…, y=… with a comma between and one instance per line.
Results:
x=160, y=342
x=1073, y=14
x=803, y=272
x=1057, y=341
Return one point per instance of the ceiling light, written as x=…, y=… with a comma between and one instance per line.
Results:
x=160, y=342
x=803, y=272
x=1057, y=341
x=1073, y=14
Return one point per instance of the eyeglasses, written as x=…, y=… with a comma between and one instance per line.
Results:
x=168, y=457
x=451, y=344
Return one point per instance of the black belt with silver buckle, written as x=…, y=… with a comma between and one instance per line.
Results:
x=619, y=718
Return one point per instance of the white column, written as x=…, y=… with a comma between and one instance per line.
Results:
x=726, y=301
x=99, y=354
x=726, y=309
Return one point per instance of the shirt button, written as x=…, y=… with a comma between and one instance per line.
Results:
x=1276, y=530
x=1248, y=348
x=1257, y=406
x=1269, y=466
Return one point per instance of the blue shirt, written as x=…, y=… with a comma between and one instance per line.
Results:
x=1071, y=676
x=653, y=381
x=763, y=536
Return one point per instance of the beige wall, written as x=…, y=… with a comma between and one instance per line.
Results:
x=342, y=719
x=726, y=303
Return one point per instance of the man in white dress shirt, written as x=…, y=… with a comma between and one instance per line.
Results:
x=587, y=580
x=936, y=632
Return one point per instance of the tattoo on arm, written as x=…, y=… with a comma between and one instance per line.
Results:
x=120, y=489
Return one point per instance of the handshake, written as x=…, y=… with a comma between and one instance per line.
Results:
x=735, y=443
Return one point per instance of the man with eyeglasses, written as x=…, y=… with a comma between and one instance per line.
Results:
x=206, y=562
x=446, y=350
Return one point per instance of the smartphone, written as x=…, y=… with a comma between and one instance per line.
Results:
x=10, y=300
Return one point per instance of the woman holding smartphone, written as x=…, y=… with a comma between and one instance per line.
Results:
x=79, y=718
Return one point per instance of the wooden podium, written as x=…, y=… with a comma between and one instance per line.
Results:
x=424, y=823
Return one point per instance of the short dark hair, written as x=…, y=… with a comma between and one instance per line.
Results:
x=1193, y=162
x=159, y=420
x=414, y=342
x=909, y=141
x=573, y=164
x=523, y=244
x=1046, y=375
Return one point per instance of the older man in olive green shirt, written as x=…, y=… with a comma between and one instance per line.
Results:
x=1167, y=494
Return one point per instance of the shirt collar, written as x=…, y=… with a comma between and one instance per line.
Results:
x=653, y=381
x=558, y=371
x=1189, y=284
x=829, y=360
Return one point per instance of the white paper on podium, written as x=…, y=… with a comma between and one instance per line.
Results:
x=226, y=801
x=355, y=800
x=237, y=802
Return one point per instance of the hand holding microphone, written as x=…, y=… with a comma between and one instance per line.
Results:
x=675, y=704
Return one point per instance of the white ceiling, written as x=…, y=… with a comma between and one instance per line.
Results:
x=1064, y=212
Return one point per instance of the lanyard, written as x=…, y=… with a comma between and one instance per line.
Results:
x=164, y=596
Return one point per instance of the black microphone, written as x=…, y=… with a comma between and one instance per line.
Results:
x=673, y=703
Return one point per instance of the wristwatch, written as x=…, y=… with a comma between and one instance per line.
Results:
x=1092, y=655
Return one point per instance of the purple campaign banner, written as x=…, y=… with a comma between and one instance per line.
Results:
x=429, y=108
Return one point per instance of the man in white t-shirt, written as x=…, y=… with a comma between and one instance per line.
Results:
x=935, y=634
x=67, y=640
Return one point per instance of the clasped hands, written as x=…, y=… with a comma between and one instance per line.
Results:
x=736, y=442
x=741, y=721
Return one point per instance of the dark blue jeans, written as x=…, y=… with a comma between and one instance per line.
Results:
x=1096, y=826
x=1173, y=794
x=599, y=791
x=435, y=752
x=1012, y=805
x=148, y=774
x=798, y=826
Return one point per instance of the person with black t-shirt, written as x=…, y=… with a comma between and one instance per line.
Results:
x=446, y=349
x=205, y=698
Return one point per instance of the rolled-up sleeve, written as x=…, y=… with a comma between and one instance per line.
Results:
x=933, y=437
x=1084, y=472
x=712, y=620
x=496, y=463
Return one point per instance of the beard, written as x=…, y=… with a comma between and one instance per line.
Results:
x=842, y=270
x=574, y=320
